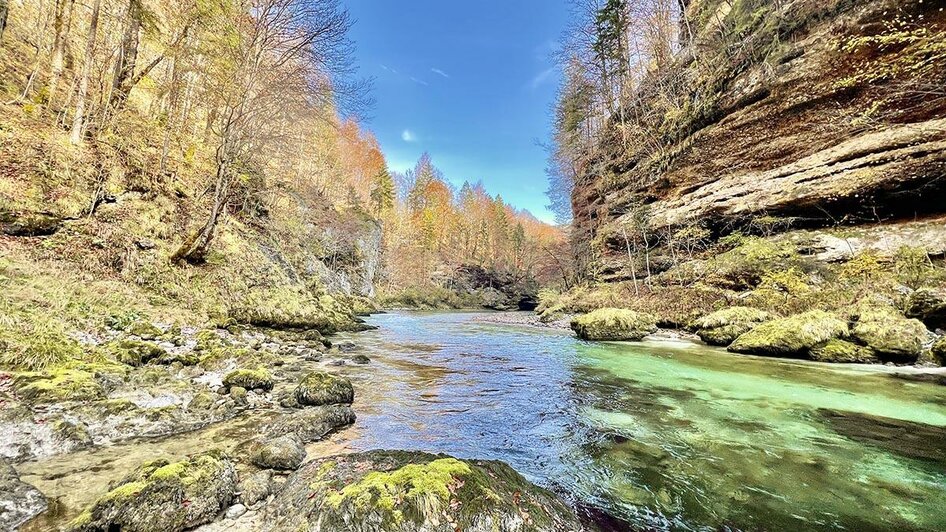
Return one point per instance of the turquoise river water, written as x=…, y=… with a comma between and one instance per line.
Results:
x=663, y=435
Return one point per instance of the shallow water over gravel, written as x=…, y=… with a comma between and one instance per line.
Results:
x=661, y=435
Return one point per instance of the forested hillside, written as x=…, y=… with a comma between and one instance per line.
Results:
x=209, y=157
x=777, y=157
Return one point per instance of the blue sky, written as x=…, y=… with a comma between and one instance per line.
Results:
x=469, y=82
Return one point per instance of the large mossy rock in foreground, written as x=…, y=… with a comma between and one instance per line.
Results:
x=397, y=491
x=794, y=336
x=609, y=324
x=724, y=326
x=164, y=497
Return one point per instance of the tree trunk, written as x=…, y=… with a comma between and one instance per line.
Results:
x=172, y=112
x=62, y=27
x=631, y=260
x=4, y=9
x=127, y=57
x=78, y=121
x=195, y=248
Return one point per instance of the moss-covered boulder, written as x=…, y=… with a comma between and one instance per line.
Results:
x=724, y=326
x=609, y=324
x=207, y=340
x=396, y=491
x=794, y=336
x=164, y=497
x=744, y=266
x=319, y=388
x=938, y=351
x=144, y=330
x=928, y=306
x=136, y=353
x=59, y=385
x=285, y=453
x=843, y=351
x=251, y=379
x=202, y=401
x=893, y=337
x=287, y=308
x=19, y=502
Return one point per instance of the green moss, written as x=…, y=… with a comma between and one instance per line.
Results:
x=730, y=316
x=61, y=384
x=144, y=330
x=150, y=497
x=614, y=324
x=320, y=388
x=892, y=336
x=837, y=350
x=745, y=266
x=82, y=521
x=207, y=340
x=125, y=491
x=288, y=308
x=421, y=483
x=176, y=470
x=792, y=336
x=250, y=379
x=136, y=353
x=430, y=298
x=722, y=327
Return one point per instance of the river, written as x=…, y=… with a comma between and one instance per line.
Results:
x=665, y=435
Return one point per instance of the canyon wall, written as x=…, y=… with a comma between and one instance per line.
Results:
x=817, y=113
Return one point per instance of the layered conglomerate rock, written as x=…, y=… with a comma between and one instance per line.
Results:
x=801, y=109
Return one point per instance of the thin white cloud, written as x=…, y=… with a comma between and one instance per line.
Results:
x=408, y=136
x=440, y=72
x=391, y=70
x=419, y=81
x=541, y=78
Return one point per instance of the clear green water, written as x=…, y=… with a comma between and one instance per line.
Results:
x=663, y=435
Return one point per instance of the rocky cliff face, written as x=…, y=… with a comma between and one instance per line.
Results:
x=817, y=112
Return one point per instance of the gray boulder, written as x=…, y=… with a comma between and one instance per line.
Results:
x=19, y=502
x=311, y=424
x=285, y=453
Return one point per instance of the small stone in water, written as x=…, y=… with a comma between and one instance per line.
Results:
x=239, y=395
